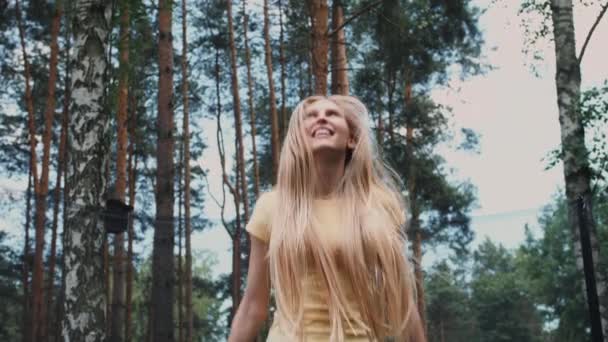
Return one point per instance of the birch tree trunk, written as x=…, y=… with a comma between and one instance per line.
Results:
x=320, y=44
x=577, y=173
x=274, y=121
x=164, y=240
x=186, y=132
x=118, y=288
x=88, y=146
x=339, y=75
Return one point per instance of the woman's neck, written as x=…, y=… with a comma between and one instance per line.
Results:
x=329, y=173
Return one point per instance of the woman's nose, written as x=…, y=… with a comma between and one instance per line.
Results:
x=322, y=117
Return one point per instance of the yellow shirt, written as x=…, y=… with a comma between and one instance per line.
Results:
x=316, y=312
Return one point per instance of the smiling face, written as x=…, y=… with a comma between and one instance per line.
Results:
x=327, y=128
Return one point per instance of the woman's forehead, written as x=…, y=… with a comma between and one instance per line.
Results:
x=321, y=104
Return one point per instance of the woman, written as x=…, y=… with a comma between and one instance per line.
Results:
x=328, y=237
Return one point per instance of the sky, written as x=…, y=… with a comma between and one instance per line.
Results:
x=512, y=106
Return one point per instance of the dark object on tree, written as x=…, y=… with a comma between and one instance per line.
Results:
x=116, y=216
x=592, y=299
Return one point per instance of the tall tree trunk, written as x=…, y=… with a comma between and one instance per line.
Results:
x=180, y=233
x=577, y=173
x=256, y=170
x=226, y=182
x=240, y=195
x=391, y=76
x=28, y=333
x=236, y=247
x=118, y=287
x=380, y=129
x=26, y=257
x=274, y=122
x=417, y=247
x=29, y=104
x=186, y=132
x=57, y=193
x=415, y=225
x=283, y=117
x=339, y=75
x=88, y=146
x=242, y=178
x=106, y=279
x=132, y=169
x=39, y=305
x=164, y=238
x=320, y=44
x=65, y=119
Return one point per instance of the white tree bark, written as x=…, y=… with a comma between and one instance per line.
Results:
x=88, y=145
x=576, y=168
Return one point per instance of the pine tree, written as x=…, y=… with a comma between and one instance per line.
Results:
x=118, y=287
x=164, y=238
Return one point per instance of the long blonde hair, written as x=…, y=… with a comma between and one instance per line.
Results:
x=371, y=256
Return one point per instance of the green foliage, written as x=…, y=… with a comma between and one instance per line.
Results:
x=593, y=108
x=450, y=314
x=206, y=299
x=549, y=264
x=11, y=292
x=504, y=308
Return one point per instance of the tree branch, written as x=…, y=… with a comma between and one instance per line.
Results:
x=354, y=16
x=597, y=21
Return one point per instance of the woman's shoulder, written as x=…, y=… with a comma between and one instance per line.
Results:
x=260, y=220
x=267, y=199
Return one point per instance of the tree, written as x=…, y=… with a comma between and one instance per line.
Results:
x=88, y=152
x=274, y=121
x=61, y=165
x=577, y=173
x=504, y=309
x=118, y=288
x=186, y=147
x=164, y=240
x=41, y=185
x=10, y=294
x=449, y=308
x=319, y=11
x=254, y=152
x=550, y=267
x=339, y=75
x=240, y=188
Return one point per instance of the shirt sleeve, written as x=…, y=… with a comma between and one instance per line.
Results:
x=259, y=223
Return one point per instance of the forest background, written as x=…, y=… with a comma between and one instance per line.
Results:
x=463, y=100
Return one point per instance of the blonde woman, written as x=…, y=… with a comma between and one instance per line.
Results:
x=328, y=237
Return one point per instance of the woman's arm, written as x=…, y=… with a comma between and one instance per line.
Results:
x=253, y=309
